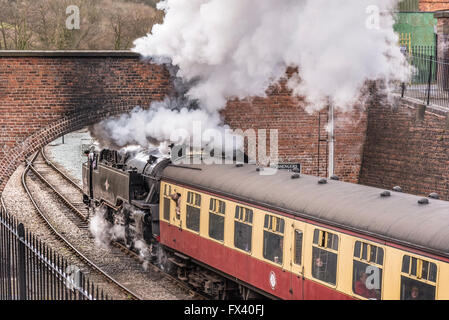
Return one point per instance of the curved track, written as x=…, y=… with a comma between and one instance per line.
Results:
x=54, y=231
x=80, y=216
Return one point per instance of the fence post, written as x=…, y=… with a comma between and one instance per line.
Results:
x=430, y=80
x=21, y=262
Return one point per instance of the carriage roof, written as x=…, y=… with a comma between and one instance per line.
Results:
x=359, y=208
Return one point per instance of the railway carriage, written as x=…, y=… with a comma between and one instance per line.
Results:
x=231, y=230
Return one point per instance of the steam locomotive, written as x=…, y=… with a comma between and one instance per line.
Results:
x=233, y=232
x=126, y=185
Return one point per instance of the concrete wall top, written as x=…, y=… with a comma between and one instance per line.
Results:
x=441, y=14
x=69, y=53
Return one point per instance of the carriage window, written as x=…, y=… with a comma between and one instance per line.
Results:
x=194, y=198
x=418, y=279
x=298, y=247
x=167, y=193
x=325, y=239
x=324, y=256
x=193, y=211
x=217, y=210
x=243, y=228
x=273, y=239
x=367, y=271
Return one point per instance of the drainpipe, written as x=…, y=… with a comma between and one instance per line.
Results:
x=331, y=140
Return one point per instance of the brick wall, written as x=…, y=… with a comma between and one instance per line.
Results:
x=433, y=5
x=299, y=132
x=43, y=96
x=403, y=149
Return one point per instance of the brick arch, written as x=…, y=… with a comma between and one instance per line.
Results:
x=46, y=95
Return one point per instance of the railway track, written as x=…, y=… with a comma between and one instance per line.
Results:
x=70, y=194
x=61, y=237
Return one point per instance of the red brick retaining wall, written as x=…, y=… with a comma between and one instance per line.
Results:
x=407, y=150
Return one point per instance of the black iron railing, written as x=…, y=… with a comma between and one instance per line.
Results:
x=429, y=83
x=408, y=6
x=31, y=270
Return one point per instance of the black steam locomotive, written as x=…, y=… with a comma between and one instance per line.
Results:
x=126, y=185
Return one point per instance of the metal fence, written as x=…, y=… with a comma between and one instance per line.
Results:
x=408, y=6
x=31, y=270
x=430, y=80
x=422, y=50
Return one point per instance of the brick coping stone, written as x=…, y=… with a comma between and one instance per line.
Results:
x=68, y=53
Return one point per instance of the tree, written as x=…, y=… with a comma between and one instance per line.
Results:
x=104, y=24
x=130, y=21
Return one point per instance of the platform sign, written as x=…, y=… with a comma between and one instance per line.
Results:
x=289, y=166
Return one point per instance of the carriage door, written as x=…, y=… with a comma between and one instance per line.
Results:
x=297, y=267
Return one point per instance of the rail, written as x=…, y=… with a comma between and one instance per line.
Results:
x=62, y=174
x=61, y=237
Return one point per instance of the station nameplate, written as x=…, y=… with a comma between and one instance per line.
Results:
x=289, y=166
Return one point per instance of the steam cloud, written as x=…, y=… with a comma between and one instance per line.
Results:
x=103, y=231
x=160, y=123
x=238, y=48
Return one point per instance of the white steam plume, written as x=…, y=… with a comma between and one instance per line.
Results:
x=238, y=48
x=161, y=124
x=103, y=231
